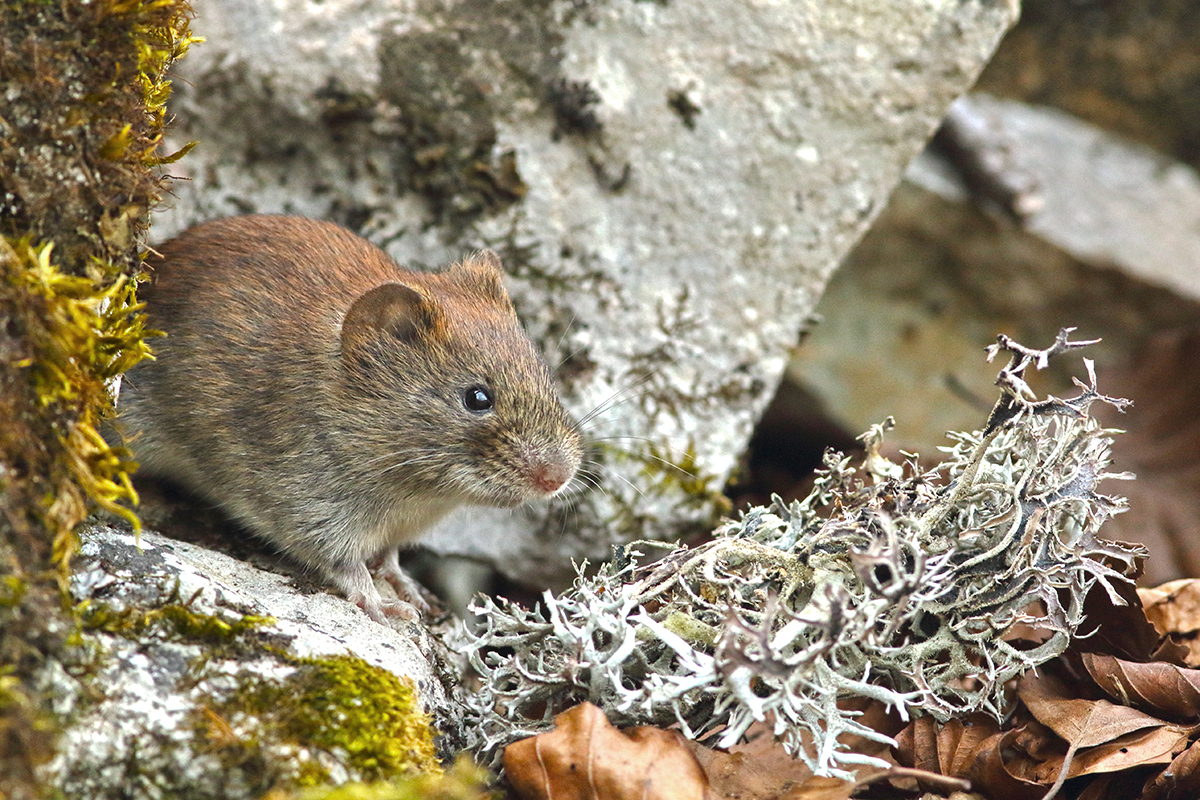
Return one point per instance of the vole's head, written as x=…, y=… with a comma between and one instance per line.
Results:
x=446, y=396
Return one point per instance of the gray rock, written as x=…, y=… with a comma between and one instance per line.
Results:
x=140, y=723
x=670, y=185
x=1104, y=200
x=1112, y=250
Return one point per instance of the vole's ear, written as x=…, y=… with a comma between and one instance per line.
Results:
x=481, y=272
x=393, y=308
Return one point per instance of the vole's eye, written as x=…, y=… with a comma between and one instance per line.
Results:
x=478, y=398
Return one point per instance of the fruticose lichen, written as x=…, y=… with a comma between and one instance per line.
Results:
x=887, y=582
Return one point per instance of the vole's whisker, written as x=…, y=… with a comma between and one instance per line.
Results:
x=640, y=455
x=629, y=483
x=569, y=356
x=563, y=338
x=615, y=399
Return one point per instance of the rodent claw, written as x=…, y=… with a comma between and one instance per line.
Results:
x=399, y=608
x=379, y=609
x=407, y=588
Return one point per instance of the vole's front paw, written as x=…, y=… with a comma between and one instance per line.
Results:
x=379, y=609
x=387, y=566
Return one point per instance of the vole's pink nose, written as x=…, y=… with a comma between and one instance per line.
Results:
x=549, y=477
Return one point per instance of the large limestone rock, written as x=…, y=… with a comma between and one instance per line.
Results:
x=199, y=675
x=670, y=185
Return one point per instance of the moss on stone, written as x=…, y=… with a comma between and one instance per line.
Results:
x=463, y=781
x=358, y=715
x=84, y=109
x=284, y=733
x=174, y=621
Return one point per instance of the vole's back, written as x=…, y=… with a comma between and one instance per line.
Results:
x=252, y=309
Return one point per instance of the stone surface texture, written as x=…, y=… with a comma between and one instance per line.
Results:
x=135, y=725
x=1105, y=200
x=670, y=186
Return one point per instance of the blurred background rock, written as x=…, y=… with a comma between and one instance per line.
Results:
x=1062, y=193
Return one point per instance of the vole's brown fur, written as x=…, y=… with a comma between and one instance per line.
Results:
x=317, y=392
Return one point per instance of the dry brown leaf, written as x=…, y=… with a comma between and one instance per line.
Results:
x=761, y=769
x=587, y=758
x=1125, y=785
x=757, y=770
x=1173, y=691
x=1082, y=723
x=1102, y=737
x=1131, y=751
x=1122, y=630
x=1173, y=607
x=973, y=748
x=950, y=749
x=1137, y=749
x=1174, y=610
x=746, y=776
x=1179, y=781
x=1000, y=777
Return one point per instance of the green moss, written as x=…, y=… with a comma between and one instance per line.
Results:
x=463, y=781
x=83, y=117
x=351, y=712
x=83, y=123
x=358, y=714
x=173, y=621
x=12, y=590
x=84, y=335
x=23, y=715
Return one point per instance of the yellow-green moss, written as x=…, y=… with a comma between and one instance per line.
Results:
x=83, y=125
x=83, y=117
x=361, y=715
x=12, y=590
x=663, y=473
x=86, y=334
x=173, y=621
x=463, y=781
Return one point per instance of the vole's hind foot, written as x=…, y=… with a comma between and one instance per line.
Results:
x=388, y=567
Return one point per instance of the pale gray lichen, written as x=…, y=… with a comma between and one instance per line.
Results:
x=886, y=582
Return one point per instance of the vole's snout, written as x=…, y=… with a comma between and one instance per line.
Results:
x=549, y=470
x=550, y=476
